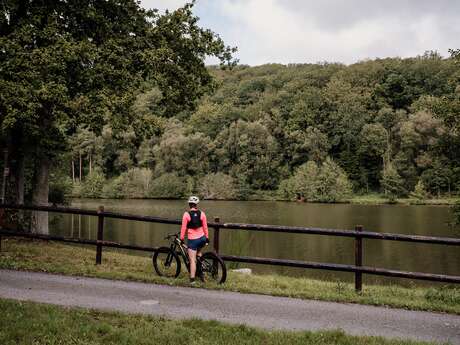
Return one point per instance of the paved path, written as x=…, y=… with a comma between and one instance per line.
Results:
x=254, y=310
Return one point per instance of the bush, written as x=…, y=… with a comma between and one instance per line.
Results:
x=77, y=189
x=333, y=183
x=113, y=189
x=456, y=213
x=93, y=184
x=168, y=186
x=303, y=184
x=324, y=183
x=136, y=182
x=420, y=191
x=392, y=183
x=217, y=186
x=60, y=188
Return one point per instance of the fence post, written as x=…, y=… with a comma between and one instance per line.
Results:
x=216, y=235
x=358, y=259
x=100, y=234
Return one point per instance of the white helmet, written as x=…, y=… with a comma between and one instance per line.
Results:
x=193, y=200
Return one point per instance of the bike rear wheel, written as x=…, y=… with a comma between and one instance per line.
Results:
x=212, y=268
x=166, y=263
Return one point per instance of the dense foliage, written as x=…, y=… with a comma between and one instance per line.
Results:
x=70, y=69
x=118, y=99
x=311, y=131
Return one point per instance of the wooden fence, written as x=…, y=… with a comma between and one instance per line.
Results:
x=359, y=234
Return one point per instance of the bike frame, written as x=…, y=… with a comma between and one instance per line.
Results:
x=182, y=252
x=180, y=249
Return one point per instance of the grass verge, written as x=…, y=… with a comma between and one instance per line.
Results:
x=365, y=199
x=380, y=199
x=35, y=255
x=33, y=323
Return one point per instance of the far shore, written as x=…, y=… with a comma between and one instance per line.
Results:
x=368, y=199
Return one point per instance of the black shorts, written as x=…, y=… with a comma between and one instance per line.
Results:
x=196, y=244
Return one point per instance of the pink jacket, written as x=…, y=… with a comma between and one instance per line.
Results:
x=193, y=234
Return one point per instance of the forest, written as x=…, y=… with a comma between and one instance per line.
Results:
x=109, y=100
x=315, y=132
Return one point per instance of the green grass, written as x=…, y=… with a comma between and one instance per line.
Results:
x=365, y=199
x=379, y=199
x=22, y=254
x=27, y=323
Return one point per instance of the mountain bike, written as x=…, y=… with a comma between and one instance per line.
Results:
x=167, y=263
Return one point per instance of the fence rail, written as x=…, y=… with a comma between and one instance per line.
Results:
x=358, y=234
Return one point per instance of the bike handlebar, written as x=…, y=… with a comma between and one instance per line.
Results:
x=171, y=236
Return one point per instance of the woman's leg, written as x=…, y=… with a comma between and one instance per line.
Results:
x=192, y=256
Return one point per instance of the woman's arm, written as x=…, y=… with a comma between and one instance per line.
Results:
x=205, y=224
x=185, y=220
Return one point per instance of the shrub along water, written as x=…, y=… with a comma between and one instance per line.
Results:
x=168, y=185
x=217, y=186
x=325, y=182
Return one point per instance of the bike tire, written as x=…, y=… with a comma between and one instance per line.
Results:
x=166, y=263
x=213, y=268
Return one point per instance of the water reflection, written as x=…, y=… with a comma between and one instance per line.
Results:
x=420, y=220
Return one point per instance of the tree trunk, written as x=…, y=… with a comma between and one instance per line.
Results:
x=90, y=164
x=73, y=171
x=4, y=175
x=40, y=192
x=80, y=168
x=18, y=184
x=14, y=161
x=14, y=177
x=20, y=180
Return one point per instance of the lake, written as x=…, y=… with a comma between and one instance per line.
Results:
x=415, y=220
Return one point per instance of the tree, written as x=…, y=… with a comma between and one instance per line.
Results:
x=317, y=144
x=93, y=185
x=84, y=144
x=210, y=118
x=217, y=187
x=303, y=184
x=80, y=62
x=374, y=140
x=438, y=176
x=333, y=183
x=302, y=146
x=419, y=191
x=392, y=182
x=248, y=151
x=185, y=155
x=145, y=155
x=374, y=151
x=168, y=185
x=326, y=182
x=136, y=183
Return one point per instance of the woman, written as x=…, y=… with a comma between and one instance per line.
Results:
x=194, y=221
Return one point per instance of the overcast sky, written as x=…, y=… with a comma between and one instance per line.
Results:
x=309, y=31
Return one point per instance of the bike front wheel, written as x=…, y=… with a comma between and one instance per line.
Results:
x=213, y=268
x=166, y=263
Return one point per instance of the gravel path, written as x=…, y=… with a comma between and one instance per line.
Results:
x=254, y=310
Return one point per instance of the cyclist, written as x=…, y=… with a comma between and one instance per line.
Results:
x=194, y=221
